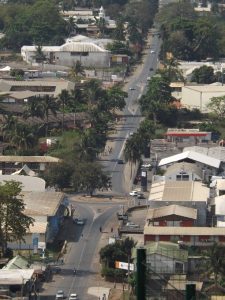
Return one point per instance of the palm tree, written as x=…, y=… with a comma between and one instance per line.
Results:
x=49, y=105
x=34, y=108
x=64, y=99
x=132, y=151
x=39, y=56
x=76, y=70
x=24, y=137
x=71, y=26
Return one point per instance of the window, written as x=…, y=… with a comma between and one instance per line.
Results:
x=179, y=267
x=73, y=53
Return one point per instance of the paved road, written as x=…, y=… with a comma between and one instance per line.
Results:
x=136, y=87
x=84, y=239
x=82, y=242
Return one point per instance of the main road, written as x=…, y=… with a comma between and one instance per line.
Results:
x=82, y=240
x=135, y=88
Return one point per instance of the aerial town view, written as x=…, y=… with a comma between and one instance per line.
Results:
x=112, y=140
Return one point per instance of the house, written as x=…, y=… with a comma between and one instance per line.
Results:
x=28, y=183
x=187, y=135
x=87, y=52
x=164, y=258
x=210, y=166
x=191, y=236
x=192, y=194
x=16, y=282
x=48, y=210
x=21, y=91
x=171, y=215
x=181, y=171
x=14, y=163
x=216, y=151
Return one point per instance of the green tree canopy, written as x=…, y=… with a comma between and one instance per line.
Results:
x=13, y=222
x=204, y=75
x=217, y=107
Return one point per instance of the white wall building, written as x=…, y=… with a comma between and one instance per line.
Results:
x=198, y=96
x=88, y=53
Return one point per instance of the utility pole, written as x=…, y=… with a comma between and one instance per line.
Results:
x=141, y=274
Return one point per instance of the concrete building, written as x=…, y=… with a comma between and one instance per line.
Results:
x=89, y=53
x=209, y=165
x=164, y=258
x=21, y=91
x=217, y=152
x=48, y=210
x=29, y=183
x=191, y=194
x=183, y=171
x=187, y=135
x=198, y=96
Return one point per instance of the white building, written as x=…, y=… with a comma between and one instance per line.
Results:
x=198, y=96
x=89, y=53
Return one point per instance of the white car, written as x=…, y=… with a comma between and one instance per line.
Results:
x=133, y=193
x=59, y=295
x=152, y=51
x=132, y=225
x=146, y=165
x=73, y=297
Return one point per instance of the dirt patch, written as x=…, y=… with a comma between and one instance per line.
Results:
x=115, y=294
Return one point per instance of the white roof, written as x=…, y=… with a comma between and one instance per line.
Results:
x=207, y=88
x=195, y=156
x=15, y=276
x=220, y=205
x=215, y=152
x=82, y=47
x=178, y=210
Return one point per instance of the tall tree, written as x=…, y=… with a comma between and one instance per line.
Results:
x=76, y=70
x=13, y=222
x=217, y=107
x=204, y=74
x=133, y=151
x=64, y=100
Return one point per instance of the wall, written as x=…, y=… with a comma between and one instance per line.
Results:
x=93, y=59
x=162, y=264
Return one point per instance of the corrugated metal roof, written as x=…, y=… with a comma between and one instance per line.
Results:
x=42, y=203
x=29, y=159
x=82, y=47
x=167, y=249
x=195, y=156
x=215, y=152
x=189, y=231
x=178, y=191
x=15, y=277
x=18, y=262
x=207, y=88
x=177, y=210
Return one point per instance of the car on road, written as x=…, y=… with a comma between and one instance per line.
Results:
x=132, y=225
x=133, y=193
x=80, y=221
x=120, y=162
x=146, y=165
x=73, y=297
x=151, y=69
x=132, y=88
x=59, y=295
x=152, y=51
x=141, y=196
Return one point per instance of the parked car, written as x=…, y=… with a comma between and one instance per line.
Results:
x=73, y=297
x=79, y=221
x=146, y=165
x=59, y=295
x=141, y=196
x=132, y=225
x=122, y=216
x=132, y=88
x=152, y=51
x=120, y=162
x=134, y=193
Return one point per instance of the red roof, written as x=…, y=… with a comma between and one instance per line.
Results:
x=186, y=134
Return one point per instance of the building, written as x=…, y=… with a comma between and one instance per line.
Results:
x=48, y=210
x=182, y=171
x=14, y=163
x=209, y=165
x=198, y=96
x=187, y=135
x=20, y=91
x=88, y=53
x=164, y=258
x=191, y=236
x=192, y=194
x=217, y=152
x=16, y=282
x=29, y=183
